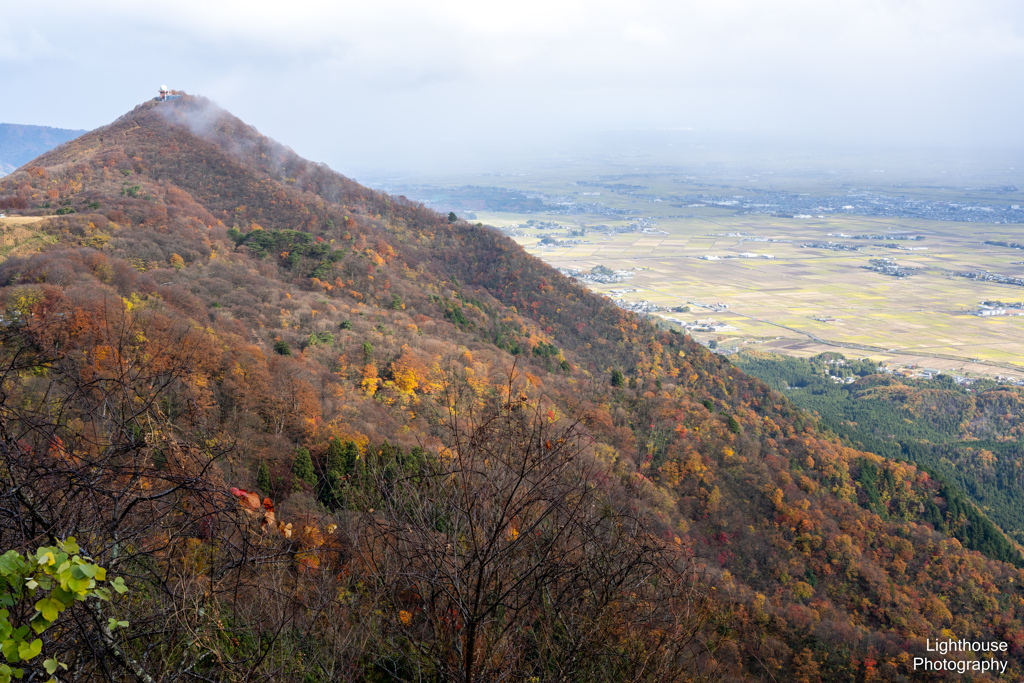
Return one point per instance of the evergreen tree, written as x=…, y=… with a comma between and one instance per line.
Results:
x=263, y=478
x=341, y=463
x=302, y=467
x=335, y=455
x=734, y=425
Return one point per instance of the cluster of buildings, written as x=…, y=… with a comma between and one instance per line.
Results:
x=897, y=238
x=705, y=325
x=888, y=266
x=600, y=274
x=637, y=306
x=994, y=308
x=985, y=276
x=1000, y=243
x=834, y=246
x=166, y=95
x=744, y=254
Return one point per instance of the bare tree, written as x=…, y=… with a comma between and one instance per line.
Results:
x=103, y=437
x=506, y=558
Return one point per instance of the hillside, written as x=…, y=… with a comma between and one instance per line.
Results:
x=968, y=434
x=21, y=143
x=328, y=434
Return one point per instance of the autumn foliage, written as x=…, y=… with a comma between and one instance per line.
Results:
x=451, y=484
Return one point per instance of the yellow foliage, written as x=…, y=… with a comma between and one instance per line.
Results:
x=370, y=381
x=21, y=301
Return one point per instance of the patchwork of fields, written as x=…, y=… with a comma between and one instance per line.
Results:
x=925, y=319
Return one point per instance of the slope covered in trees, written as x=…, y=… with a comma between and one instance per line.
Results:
x=969, y=436
x=328, y=434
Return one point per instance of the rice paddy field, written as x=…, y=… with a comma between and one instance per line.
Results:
x=777, y=290
x=659, y=222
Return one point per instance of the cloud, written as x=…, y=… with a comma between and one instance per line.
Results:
x=23, y=46
x=369, y=82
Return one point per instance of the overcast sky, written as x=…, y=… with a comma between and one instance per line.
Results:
x=392, y=84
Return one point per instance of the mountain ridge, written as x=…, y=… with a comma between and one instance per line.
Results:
x=322, y=311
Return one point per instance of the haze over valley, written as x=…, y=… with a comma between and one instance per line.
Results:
x=908, y=258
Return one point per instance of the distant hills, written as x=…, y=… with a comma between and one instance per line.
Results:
x=20, y=143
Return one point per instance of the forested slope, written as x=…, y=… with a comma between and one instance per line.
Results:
x=969, y=435
x=328, y=434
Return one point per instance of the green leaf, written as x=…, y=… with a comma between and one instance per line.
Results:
x=10, y=562
x=49, y=608
x=118, y=585
x=50, y=665
x=39, y=624
x=79, y=585
x=10, y=649
x=64, y=596
x=29, y=650
x=70, y=546
x=101, y=574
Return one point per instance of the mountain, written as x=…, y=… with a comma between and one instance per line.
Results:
x=328, y=434
x=19, y=143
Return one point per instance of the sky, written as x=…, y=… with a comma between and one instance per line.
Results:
x=402, y=85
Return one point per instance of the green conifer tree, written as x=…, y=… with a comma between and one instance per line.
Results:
x=302, y=467
x=336, y=456
x=263, y=478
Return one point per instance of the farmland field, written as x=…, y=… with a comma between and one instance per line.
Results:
x=795, y=284
x=775, y=300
